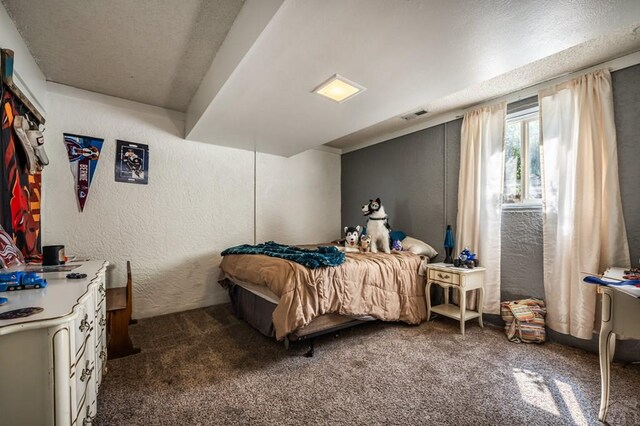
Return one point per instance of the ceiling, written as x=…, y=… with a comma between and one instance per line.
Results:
x=406, y=53
x=150, y=51
x=579, y=57
x=243, y=73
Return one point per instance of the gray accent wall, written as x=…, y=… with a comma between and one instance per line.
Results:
x=453, y=135
x=416, y=176
x=626, y=104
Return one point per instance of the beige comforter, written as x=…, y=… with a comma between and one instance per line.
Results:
x=384, y=286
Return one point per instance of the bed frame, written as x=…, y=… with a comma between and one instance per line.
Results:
x=257, y=310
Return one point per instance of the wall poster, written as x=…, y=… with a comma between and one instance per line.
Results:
x=84, y=153
x=132, y=162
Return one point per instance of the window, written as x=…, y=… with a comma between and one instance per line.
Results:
x=522, y=168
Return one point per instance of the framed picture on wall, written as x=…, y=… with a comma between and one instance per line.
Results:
x=132, y=162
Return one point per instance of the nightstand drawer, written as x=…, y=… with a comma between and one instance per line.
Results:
x=444, y=276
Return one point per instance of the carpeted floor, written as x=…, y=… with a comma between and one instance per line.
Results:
x=206, y=367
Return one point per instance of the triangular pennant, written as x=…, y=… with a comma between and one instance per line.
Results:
x=84, y=153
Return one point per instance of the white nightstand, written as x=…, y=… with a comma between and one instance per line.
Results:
x=447, y=276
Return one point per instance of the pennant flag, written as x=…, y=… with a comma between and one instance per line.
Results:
x=83, y=152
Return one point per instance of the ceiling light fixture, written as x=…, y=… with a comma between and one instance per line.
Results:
x=338, y=89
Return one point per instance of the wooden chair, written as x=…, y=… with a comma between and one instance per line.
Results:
x=119, y=308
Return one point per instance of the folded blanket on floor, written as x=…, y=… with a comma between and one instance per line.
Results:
x=322, y=256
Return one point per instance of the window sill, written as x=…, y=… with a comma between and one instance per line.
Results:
x=522, y=207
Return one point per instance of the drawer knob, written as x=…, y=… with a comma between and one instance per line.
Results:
x=84, y=324
x=86, y=372
x=444, y=277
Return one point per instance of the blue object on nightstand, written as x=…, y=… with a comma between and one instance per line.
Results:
x=466, y=259
x=449, y=244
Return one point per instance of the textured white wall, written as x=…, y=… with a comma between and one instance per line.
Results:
x=199, y=200
x=297, y=197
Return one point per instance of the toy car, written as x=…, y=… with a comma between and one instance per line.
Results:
x=21, y=280
x=466, y=259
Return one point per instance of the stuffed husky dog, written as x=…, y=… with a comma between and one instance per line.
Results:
x=377, y=225
x=352, y=238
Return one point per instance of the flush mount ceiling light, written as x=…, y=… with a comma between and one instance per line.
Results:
x=338, y=89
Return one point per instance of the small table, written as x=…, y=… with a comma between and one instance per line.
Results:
x=448, y=276
x=620, y=315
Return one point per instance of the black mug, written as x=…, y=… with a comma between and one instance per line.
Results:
x=53, y=255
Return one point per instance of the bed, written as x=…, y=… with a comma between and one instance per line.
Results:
x=288, y=301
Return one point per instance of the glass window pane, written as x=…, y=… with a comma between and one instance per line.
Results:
x=535, y=175
x=512, y=163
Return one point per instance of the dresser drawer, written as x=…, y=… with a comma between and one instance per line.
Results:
x=81, y=331
x=101, y=359
x=100, y=323
x=101, y=308
x=446, y=277
x=84, y=376
x=87, y=413
x=83, y=416
x=100, y=295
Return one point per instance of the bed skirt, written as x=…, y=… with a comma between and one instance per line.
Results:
x=257, y=310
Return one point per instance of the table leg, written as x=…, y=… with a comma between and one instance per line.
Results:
x=606, y=333
x=446, y=295
x=605, y=372
x=427, y=295
x=463, y=308
x=612, y=346
x=480, y=305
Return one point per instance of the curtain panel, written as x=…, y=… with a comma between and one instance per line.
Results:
x=479, y=218
x=584, y=228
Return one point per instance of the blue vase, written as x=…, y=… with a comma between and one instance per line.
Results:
x=449, y=244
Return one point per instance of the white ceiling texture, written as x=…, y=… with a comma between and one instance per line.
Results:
x=254, y=89
x=150, y=51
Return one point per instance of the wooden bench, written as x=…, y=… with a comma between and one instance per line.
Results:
x=119, y=308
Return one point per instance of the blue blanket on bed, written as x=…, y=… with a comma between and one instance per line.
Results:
x=322, y=256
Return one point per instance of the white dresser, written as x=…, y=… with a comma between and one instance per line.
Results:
x=51, y=363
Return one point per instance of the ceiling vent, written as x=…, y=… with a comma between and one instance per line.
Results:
x=414, y=114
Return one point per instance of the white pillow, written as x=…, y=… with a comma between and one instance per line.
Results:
x=418, y=247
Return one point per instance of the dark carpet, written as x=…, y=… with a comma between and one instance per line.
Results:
x=206, y=367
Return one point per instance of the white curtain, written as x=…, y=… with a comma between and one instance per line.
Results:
x=480, y=194
x=584, y=228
